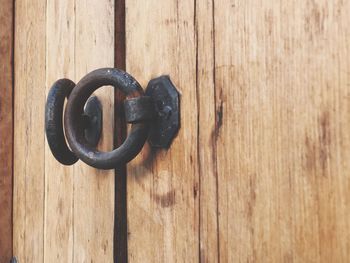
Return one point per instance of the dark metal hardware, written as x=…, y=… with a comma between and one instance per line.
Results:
x=137, y=109
x=92, y=121
x=166, y=122
x=13, y=260
x=155, y=114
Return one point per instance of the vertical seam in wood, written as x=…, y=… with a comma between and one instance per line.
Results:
x=45, y=181
x=73, y=181
x=120, y=244
x=13, y=117
x=198, y=134
x=215, y=141
x=44, y=171
x=25, y=182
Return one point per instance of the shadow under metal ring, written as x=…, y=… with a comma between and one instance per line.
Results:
x=138, y=111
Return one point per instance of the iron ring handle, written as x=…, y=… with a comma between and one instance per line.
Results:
x=59, y=91
x=140, y=123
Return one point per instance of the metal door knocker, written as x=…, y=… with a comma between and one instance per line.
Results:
x=153, y=115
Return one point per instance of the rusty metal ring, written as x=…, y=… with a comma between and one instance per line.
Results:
x=59, y=91
x=74, y=128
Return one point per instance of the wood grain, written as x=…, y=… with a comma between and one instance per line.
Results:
x=6, y=128
x=163, y=202
x=269, y=120
x=59, y=179
x=209, y=122
x=29, y=139
x=282, y=84
x=62, y=214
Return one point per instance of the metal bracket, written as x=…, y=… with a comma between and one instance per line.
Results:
x=166, y=121
x=93, y=120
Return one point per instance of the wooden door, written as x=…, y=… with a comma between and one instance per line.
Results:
x=260, y=168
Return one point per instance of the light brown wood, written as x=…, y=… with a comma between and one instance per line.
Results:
x=282, y=84
x=6, y=128
x=269, y=121
x=29, y=139
x=209, y=122
x=59, y=179
x=163, y=199
x=62, y=214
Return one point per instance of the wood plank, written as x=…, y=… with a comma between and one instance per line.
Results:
x=282, y=81
x=94, y=189
x=209, y=122
x=59, y=179
x=29, y=139
x=6, y=128
x=163, y=200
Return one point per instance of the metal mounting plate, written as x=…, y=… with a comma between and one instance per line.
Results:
x=93, y=120
x=167, y=113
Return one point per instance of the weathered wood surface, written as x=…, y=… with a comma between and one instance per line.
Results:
x=209, y=121
x=62, y=214
x=59, y=179
x=264, y=137
x=6, y=128
x=283, y=156
x=29, y=139
x=163, y=199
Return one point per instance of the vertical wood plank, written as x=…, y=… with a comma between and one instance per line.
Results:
x=282, y=81
x=28, y=218
x=94, y=189
x=209, y=122
x=163, y=203
x=6, y=128
x=59, y=179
